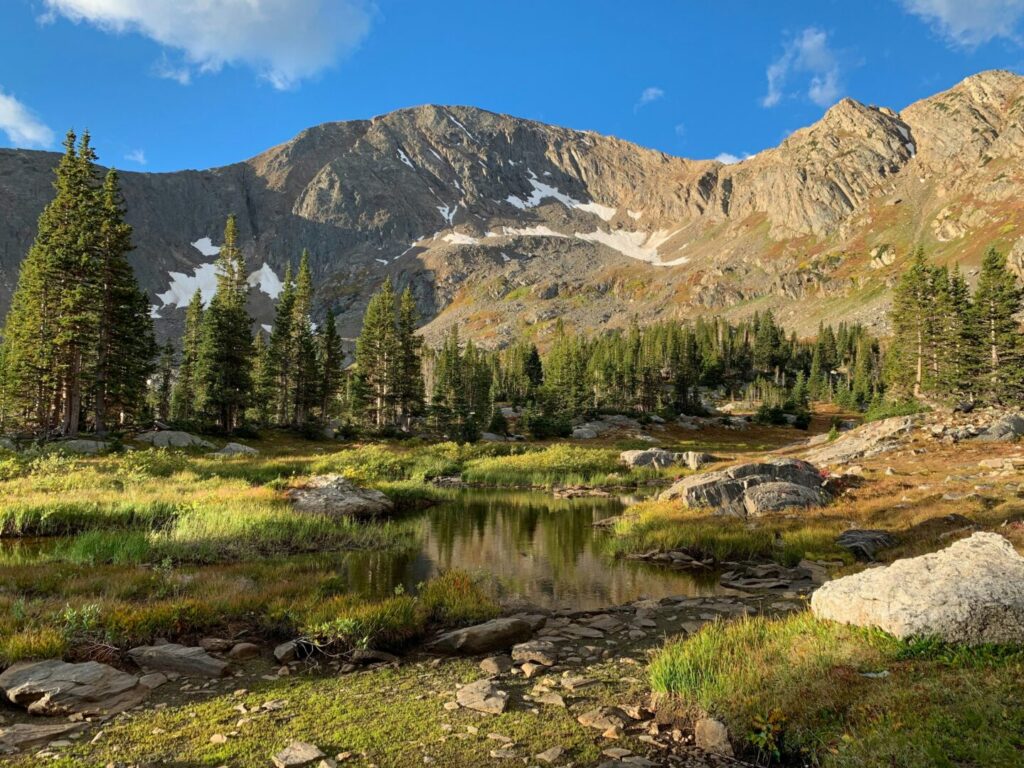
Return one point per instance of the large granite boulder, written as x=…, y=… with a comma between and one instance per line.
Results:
x=172, y=438
x=236, y=449
x=970, y=592
x=190, y=661
x=652, y=457
x=494, y=635
x=83, y=446
x=791, y=483
x=336, y=496
x=56, y=687
x=1004, y=430
x=867, y=440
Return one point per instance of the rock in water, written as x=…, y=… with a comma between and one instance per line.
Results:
x=185, y=660
x=172, y=438
x=1004, y=430
x=494, y=635
x=336, y=496
x=971, y=592
x=791, y=483
x=482, y=696
x=55, y=687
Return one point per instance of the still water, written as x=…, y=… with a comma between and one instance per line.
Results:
x=531, y=547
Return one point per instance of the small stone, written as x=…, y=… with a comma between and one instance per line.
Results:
x=482, y=696
x=496, y=665
x=218, y=738
x=153, y=680
x=241, y=651
x=286, y=652
x=532, y=670
x=297, y=754
x=712, y=736
x=550, y=755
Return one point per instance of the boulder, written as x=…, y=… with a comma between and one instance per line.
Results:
x=482, y=696
x=8, y=445
x=583, y=433
x=236, y=449
x=867, y=440
x=242, y=651
x=83, y=446
x=190, y=661
x=1004, y=430
x=792, y=483
x=172, y=438
x=56, y=687
x=494, y=635
x=774, y=497
x=604, y=718
x=712, y=736
x=334, y=495
x=652, y=457
x=695, y=459
x=865, y=543
x=490, y=437
x=22, y=735
x=541, y=652
x=970, y=592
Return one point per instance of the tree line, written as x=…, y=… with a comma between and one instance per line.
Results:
x=78, y=350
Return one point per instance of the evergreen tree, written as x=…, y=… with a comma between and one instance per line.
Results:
x=912, y=321
x=305, y=395
x=997, y=299
x=185, y=393
x=224, y=374
x=263, y=382
x=281, y=354
x=377, y=354
x=331, y=358
x=162, y=384
x=410, y=384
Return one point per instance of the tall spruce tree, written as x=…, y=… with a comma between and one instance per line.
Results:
x=281, y=351
x=377, y=357
x=410, y=365
x=225, y=349
x=330, y=358
x=305, y=395
x=185, y=393
x=913, y=322
x=997, y=299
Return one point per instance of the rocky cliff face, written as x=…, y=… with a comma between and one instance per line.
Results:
x=504, y=225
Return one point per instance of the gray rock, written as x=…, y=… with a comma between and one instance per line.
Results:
x=550, y=755
x=296, y=755
x=236, y=449
x=83, y=446
x=490, y=437
x=286, y=652
x=334, y=495
x=494, y=635
x=864, y=441
x=482, y=696
x=726, y=490
x=190, y=661
x=696, y=459
x=865, y=543
x=55, y=687
x=971, y=592
x=774, y=497
x=712, y=736
x=241, y=651
x=1006, y=429
x=583, y=433
x=604, y=718
x=8, y=445
x=652, y=457
x=536, y=651
x=171, y=438
x=23, y=735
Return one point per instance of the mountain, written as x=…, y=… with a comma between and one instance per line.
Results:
x=504, y=225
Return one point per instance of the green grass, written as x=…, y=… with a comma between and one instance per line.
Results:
x=795, y=689
x=667, y=525
x=555, y=465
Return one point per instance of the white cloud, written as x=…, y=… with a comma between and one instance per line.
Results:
x=970, y=24
x=285, y=41
x=728, y=158
x=807, y=54
x=680, y=130
x=22, y=127
x=137, y=156
x=652, y=93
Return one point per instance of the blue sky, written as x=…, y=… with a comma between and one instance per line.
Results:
x=171, y=84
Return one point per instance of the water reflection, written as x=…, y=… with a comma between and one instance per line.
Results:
x=534, y=548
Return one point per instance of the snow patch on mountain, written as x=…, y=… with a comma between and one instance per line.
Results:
x=448, y=213
x=542, y=191
x=267, y=281
x=206, y=247
x=459, y=238
x=405, y=159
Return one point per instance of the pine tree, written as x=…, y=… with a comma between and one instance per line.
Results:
x=263, y=381
x=126, y=345
x=281, y=351
x=410, y=393
x=160, y=394
x=305, y=377
x=330, y=360
x=377, y=356
x=224, y=375
x=912, y=320
x=997, y=299
x=185, y=393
